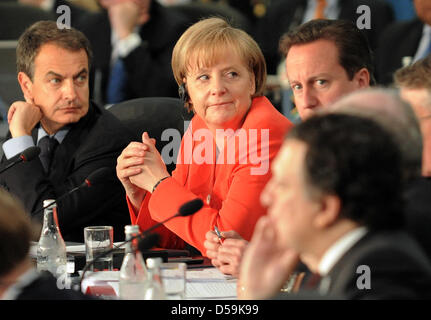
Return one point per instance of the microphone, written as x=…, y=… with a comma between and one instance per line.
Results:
x=27, y=155
x=94, y=178
x=149, y=240
x=185, y=210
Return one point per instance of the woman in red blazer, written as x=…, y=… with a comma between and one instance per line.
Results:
x=226, y=152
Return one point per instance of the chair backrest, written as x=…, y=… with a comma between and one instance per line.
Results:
x=9, y=87
x=157, y=116
x=16, y=17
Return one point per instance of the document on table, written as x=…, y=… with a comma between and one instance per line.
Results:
x=210, y=290
x=210, y=283
x=206, y=283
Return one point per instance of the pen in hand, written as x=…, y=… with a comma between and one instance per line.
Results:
x=218, y=233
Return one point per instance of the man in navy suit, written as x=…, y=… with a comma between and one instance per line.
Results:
x=403, y=43
x=132, y=42
x=53, y=67
x=283, y=16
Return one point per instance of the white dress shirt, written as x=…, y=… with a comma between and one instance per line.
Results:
x=14, y=146
x=334, y=254
x=424, y=43
x=339, y=248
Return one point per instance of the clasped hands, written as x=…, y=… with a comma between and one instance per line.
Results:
x=139, y=167
x=125, y=15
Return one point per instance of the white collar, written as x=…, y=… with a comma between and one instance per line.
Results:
x=339, y=248
x=59, y=135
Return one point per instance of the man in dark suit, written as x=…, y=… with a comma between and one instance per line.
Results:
x=335, y=200
x=287, y=15
x=18, y=278
x=412, y=39
x=132, y=43
x=414, y=82
x=76, y=137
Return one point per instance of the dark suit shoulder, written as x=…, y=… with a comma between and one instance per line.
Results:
x=400, y=28
x=395, y=265
x=104, y=132
x=45, y=287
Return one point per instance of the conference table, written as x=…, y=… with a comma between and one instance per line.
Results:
x=203, y=281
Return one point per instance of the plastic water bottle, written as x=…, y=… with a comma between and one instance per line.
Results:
x=51, y=250
x=133, y=273
x=154, y=289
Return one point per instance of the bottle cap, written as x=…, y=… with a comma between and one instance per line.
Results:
x=131, y=228
x=47, y=203
x=154, y=262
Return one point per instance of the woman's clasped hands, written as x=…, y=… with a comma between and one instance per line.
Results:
x=139, y=168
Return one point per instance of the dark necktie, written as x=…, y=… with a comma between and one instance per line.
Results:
x=313, y=282
x=47, y=147
x=117, y=83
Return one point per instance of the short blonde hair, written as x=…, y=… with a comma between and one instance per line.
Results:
x=415, y=76
x=205, y=40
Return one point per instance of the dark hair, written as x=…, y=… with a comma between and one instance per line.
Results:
x=43, y=32
x=358, y=161
x=353, y=47
x=15, y=233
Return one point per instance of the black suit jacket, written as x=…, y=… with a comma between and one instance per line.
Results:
x=398, y=40
x=148, y=66
x=418, y=212
x=44, y=287
x=399, y=269
x=287, y=15
x=94, y=142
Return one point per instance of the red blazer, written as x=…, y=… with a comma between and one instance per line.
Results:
x=230, y=190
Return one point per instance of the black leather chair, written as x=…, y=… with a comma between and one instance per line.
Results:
x=15, y=18
x=154, y=115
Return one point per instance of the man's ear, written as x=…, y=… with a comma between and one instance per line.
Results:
x=26, y=86
x=362, y=78
x=329, y=211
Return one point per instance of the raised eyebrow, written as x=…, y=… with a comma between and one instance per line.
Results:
x=54, y=74
x=80, y=73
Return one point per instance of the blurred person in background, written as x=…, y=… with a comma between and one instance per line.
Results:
x=19, y=279
x=412, y=39
x=132, y=41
